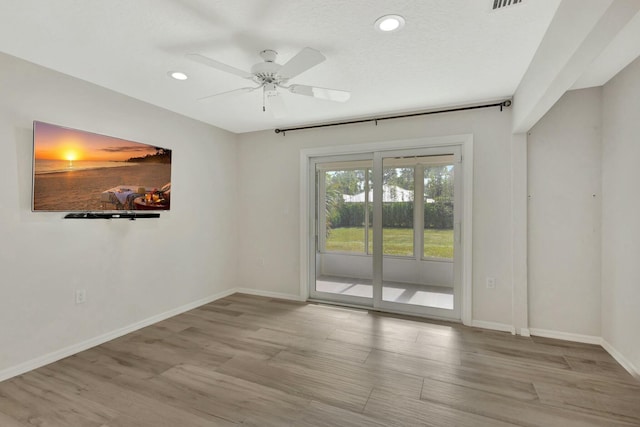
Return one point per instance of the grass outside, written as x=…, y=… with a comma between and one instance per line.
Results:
x=396, y=241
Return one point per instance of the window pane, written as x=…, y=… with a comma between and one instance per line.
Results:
x=397, y=210
x=438, y=211
x=345, y=210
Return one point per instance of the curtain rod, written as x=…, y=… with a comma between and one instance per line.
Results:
x=501, y=104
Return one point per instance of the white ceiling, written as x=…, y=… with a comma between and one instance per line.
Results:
x=449, y=53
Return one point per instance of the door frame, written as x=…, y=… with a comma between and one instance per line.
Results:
x=307, y=214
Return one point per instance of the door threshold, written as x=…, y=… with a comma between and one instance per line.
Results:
x=383, y=311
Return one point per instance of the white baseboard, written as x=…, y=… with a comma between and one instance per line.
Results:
x=626, y=364
x=92, y=342
x=493, y=326
x=566, y=336
x=269, y=294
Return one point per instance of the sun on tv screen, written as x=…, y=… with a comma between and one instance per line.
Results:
x=78, y=171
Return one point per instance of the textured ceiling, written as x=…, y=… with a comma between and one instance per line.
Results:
x=449, y=52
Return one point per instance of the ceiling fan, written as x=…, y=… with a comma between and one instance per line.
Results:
x=271, y=76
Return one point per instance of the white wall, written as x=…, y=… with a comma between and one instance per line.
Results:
x=565, y=215
x=132, y=270
x=620, y=215
x=268, y=190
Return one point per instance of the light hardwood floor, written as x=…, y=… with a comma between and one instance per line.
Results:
x=263, y=362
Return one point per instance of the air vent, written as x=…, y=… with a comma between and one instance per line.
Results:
x=499, y=4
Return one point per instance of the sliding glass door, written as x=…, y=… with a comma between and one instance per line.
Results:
x=343, y=246
x=418, y=221
x=387, y=230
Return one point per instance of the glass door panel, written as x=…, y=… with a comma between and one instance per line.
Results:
x=418, y=234
x=343, y=267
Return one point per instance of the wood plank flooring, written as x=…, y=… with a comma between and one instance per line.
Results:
x=246, y=360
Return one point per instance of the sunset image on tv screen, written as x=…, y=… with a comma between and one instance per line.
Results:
x=75, y=170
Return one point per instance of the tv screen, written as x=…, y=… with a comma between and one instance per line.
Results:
x=78, y=171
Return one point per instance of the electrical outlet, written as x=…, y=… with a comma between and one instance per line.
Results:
x=491, y=282
x=81, y=296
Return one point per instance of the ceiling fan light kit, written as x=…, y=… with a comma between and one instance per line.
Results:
x=271, y=76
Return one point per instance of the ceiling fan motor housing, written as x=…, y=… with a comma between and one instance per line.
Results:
x=266, y=72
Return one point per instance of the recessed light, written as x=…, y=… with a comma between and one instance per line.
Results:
x=389, y=23
x=178, y=75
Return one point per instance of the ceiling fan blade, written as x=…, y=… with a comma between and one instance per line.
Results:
x=300, y=63
x=219, y=65
x=275, y=104
x=240, y=90
x=321, y=92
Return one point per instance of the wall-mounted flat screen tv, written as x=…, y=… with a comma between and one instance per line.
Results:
x=78, y=171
